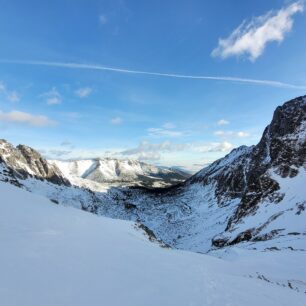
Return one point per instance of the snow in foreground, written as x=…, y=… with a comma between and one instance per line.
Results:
x=54, y=255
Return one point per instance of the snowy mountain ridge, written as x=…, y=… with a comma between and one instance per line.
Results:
x=116, y=171
x=253, y=197
x=244, y=198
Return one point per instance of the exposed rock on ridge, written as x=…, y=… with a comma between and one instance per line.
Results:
x=26, y=162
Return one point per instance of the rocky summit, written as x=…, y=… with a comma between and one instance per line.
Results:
x=25, y=162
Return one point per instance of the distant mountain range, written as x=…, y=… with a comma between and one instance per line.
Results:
x=255, y=196
x=118, y=172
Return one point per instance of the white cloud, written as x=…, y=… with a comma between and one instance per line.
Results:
x=83, y=92
x=116, y=121
x=70, y=152
x=251, y=38
x=53, y=97
x=226, y=134
x=147, y=147
x=153, y=151
x=54, y=101
x=243, y=134
x=72, y=115
x=56, y=153
x=151, y=156
x=67, y=144
x=161, y=132
x=224, y=146
x=166, y=152
x=103, y=19
x=26, y=118
x=169, y=125
x=222, y=122
x=13, y=96
x=2, y=87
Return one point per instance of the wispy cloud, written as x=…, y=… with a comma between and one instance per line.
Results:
x=69, y=152
x=10, y=95
x=149, y=156
x=165, y=151
x=146, y=149
x=53, y=97
x=56, y=153
x=231, y=134
x=13, y=96
x=26, y=118
x=71, y=115
x=169, y=125
x=116, y=121
x=222, y=122
x=251, y=38
x=67, y=144
x=83, y=92
x=224, y=146
x=2, y=87
x=154, y=148
x=103, y=19
x=163, y=132
x=158, y=74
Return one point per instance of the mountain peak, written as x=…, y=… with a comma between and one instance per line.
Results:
x=25, y=161
x=288, y=118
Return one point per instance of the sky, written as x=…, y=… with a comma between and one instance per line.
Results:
x=173, y=83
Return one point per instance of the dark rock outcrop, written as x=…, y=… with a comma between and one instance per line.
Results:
x=25, y=162
x=245, y=173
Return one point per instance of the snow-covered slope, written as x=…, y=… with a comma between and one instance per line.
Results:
x=116, y=171
x=59, y=191
x=254, y=196
x=54, y=255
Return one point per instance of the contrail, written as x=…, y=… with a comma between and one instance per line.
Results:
x=159, y=74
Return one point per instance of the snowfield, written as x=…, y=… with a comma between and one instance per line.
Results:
x=55, y=255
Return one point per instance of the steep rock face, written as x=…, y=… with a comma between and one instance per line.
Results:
x=285, y=137
x=228, y=174
x=281, y=153
x=243, y=172
x=26, y=162
x=281, y=148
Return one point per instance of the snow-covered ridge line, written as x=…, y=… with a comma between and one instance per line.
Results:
x=111, y=170
x=240, y=199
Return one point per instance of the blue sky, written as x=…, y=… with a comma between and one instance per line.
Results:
x=56, y=96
